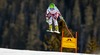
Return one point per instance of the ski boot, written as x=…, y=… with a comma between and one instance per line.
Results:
x=57, y=30
x=50, y=28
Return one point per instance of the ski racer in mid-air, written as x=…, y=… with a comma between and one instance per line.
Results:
x=52, y=14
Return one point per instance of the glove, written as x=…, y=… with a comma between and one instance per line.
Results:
x=47, y=20
x=61, y=17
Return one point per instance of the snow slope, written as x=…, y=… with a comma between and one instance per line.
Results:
x=4, y=51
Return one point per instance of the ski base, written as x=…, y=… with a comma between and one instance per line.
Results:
x=53, y=32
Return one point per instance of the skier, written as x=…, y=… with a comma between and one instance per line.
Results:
x=52, y=13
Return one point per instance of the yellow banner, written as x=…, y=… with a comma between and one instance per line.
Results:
x=69, y=42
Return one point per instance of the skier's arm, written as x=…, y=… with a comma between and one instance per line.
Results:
x=47, y=14
x=58, y=11
x=57, y=14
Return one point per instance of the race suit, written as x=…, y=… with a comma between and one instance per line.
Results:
x=52, y=15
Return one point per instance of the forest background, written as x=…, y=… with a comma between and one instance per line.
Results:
x=22, y=24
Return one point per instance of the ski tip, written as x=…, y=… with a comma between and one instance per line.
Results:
x=49, y=31
x=53, y=32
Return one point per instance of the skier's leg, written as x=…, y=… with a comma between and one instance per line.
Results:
x=50, y=24
x=56, y=26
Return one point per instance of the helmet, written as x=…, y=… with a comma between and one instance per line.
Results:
x=52, y=5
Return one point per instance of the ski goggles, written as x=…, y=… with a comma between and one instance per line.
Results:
x=51, y=8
